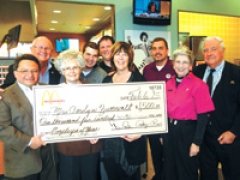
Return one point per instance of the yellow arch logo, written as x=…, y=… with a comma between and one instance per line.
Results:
x=48, y=97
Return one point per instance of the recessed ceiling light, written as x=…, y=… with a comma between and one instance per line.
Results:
x=52, y=29
x=96, y=19
x=54, y=21
x=57, y=11
x=107, y=8
x=87, y=27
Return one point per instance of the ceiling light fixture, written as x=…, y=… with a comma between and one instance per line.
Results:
x=52, y=29
x=107, y=8
x=54, y=21
x=57, y=11
x=96, y=19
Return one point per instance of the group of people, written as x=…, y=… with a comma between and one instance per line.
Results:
x=203, y=118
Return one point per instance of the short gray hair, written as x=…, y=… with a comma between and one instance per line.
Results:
x=209, y=38
x=184, y=50
x=70, y=54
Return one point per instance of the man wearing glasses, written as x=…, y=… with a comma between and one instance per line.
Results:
x=26, y=156
x=42, y=49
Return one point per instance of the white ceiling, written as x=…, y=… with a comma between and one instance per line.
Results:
x=73, y=19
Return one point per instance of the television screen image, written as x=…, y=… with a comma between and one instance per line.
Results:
x=66, y=43
x=152, y=12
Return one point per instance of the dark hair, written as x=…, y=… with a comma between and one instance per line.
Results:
x=157, y=39
x=150, y=5
x=105, y=38
x=143, y=34
x=127, y=48
x=28, y=57
x=92, y=45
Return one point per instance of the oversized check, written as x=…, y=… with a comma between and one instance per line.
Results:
x=74, y=112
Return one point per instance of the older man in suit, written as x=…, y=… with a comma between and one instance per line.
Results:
x=221, y=142
x=26, y=156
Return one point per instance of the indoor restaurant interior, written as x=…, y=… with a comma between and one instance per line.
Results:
x=82, y=21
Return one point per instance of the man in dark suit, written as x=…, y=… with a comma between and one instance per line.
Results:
x=26, y=156
x=221, y=141
x=42, y=49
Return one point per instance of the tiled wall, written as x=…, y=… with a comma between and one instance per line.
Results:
x=226, y=27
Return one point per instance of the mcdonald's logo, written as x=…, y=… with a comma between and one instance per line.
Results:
x=51, y=97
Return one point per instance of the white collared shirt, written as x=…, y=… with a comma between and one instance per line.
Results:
x=27, y=91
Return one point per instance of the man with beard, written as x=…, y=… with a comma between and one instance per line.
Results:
x=159, y=70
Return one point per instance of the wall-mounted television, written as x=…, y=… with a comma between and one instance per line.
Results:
x=12, y=37
x=152, y=12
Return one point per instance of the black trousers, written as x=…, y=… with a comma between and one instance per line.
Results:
x=157, y=154
x=84, y=167
x=115, y=171
x=178, y=165
x=212, y=153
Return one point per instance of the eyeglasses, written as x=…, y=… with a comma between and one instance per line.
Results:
x=33, y=71
x=213, y=49
x=42, y=48
x=74, y=68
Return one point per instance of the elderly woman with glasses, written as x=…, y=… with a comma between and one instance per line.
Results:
x=188, y=104
x=78, y=160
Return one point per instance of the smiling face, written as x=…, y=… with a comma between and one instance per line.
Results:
x=121, y=61
x=213, y=53
x=182, y=65
x=27, y=73
x=71, y=72
x=159, y=52
x=105, y=49
x=42, y=48
x=90, y=56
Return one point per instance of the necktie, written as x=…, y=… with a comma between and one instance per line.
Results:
x=210, y=80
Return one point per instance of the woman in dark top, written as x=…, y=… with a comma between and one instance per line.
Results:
x=123, y=155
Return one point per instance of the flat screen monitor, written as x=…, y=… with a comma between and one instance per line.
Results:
x=152, y=12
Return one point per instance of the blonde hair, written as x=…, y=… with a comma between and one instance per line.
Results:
x=183, y=51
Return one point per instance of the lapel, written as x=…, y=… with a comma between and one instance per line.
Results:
x=54, y=75
x=22, y=100
x=225, y=78
x=199, y=70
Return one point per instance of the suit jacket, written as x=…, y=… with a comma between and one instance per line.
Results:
x=226, y=98
x=16, y=130
x=54, y=77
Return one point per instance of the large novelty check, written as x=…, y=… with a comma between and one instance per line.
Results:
x=75, y=112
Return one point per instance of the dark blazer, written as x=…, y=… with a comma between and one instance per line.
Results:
x=226, y=98
x=54, y=77
x=16, y=130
